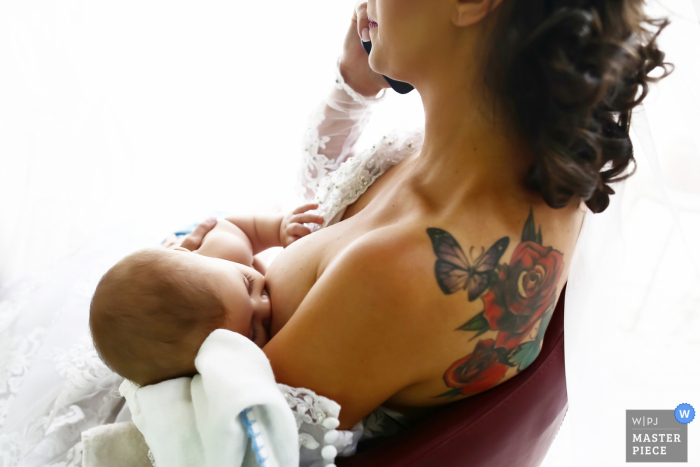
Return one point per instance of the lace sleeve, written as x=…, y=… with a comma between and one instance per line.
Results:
x=317, y=420
x=332, y=132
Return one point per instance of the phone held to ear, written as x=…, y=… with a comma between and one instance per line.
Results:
x=398, y=86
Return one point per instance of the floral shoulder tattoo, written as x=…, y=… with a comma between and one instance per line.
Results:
x=515, y=296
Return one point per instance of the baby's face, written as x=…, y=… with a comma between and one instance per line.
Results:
x=242, y=290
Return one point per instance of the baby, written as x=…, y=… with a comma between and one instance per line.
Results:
x=152, y=311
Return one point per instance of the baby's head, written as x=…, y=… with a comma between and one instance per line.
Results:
x=152, y=311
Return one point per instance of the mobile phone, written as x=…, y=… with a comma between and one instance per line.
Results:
x=398, y=86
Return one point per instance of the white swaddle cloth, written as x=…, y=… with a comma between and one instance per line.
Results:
x=197, y=421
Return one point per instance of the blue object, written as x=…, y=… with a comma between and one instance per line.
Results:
x=250, y=423
x=182, y=232
x=185, y=231
x=188, y=228
x=684, y=413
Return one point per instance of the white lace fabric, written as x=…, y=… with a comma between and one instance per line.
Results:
x=333, y=129
x=52, y=383
x=344, y=186
x=310, y=411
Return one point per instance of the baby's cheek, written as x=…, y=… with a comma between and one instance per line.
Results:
x=238, y=321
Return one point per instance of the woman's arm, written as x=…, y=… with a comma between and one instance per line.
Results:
x=333, y=131
x=337, y=124
x=356, y=337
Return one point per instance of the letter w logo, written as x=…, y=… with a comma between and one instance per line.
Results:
x=685, y=413
x=637, y=421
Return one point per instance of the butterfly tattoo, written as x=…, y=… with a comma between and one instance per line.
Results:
x=455, y=272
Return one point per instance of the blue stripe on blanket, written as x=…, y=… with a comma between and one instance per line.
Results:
x=254, y=434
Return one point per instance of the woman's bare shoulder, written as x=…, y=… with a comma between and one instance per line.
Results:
x=424, y=312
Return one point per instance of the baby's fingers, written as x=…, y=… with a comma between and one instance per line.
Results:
x=194, y=240
x=298, y=230
x=305, y=207
x=306, y=218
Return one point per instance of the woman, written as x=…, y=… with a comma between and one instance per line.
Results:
x=441, y=276
x=449, y=246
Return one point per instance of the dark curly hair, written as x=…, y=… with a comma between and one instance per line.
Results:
x=570, y=72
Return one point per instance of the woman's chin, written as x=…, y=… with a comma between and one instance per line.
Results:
x=379, y=65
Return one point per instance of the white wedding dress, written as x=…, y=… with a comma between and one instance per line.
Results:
x=53, y=386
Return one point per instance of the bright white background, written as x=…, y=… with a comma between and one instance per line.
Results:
x=155, y=111
x=154, y=114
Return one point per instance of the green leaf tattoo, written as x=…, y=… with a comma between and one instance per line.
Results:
x=478, y=323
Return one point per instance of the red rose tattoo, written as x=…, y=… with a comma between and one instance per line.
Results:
x=525, y=290
x=516, y=297
x=478, y=371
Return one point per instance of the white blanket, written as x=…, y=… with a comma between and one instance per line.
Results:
x=198, y=421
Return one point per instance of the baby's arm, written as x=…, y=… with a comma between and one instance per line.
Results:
x=263, y=232
x=239, y=238
x=277, y=230
x=227, y=241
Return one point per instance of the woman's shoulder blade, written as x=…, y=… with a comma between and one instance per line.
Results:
x=498, y=288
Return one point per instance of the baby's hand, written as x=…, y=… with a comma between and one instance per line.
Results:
x=292, y=227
